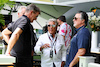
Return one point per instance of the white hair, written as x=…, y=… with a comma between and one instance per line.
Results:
x=20, y=8
x=52, y=20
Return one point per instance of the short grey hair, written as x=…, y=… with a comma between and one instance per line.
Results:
x=20, y=8
x=32, y=7
x=52, y=20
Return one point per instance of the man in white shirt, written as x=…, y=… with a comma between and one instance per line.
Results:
x=51, y=46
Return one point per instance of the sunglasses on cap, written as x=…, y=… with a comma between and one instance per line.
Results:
x=52, y=25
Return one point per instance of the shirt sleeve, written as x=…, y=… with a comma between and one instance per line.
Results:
x=10, y=26
x=38, y=45
x=23, y=24
x=63, y=49
x=62, y=30
x=83, y=41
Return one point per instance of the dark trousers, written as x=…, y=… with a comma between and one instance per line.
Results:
x=32, y=60
x=23, y=62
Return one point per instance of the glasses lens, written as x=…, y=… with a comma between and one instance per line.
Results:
x=75, y=18
x=49, y=25
x=52, y=25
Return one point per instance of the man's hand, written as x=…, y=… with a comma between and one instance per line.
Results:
x=44, y=46
x=62, y=63
x=7, y=54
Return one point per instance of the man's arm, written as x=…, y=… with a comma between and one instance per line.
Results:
x=13, y=39
x=63, y=51
x=80, y=52
x=5, y=34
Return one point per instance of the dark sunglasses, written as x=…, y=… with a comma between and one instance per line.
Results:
x=52, y=25
x=75, y=18
x=36, y=16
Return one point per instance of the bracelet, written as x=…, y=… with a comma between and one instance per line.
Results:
x=8, y=53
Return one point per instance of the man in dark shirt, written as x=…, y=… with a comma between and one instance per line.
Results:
x=80, y=43
x=19, y=44
x=21, y=11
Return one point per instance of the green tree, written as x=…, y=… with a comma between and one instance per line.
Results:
x=2, y=4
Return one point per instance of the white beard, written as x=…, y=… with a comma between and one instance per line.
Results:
x=75, y=25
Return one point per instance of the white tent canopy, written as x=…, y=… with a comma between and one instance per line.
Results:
x=48, y=10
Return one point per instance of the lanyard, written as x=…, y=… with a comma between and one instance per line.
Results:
x=77, y=32
x=52, y=42
x=80, y=29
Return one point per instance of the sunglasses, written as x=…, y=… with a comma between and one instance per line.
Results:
x=36, y=16
x=75, y=18
x=52, y=25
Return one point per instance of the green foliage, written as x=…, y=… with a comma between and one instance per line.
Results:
x=23, y=4
x=2, y=21
x=2, y=4
x=10, y=4
x=0, y=51
x=6, y=2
